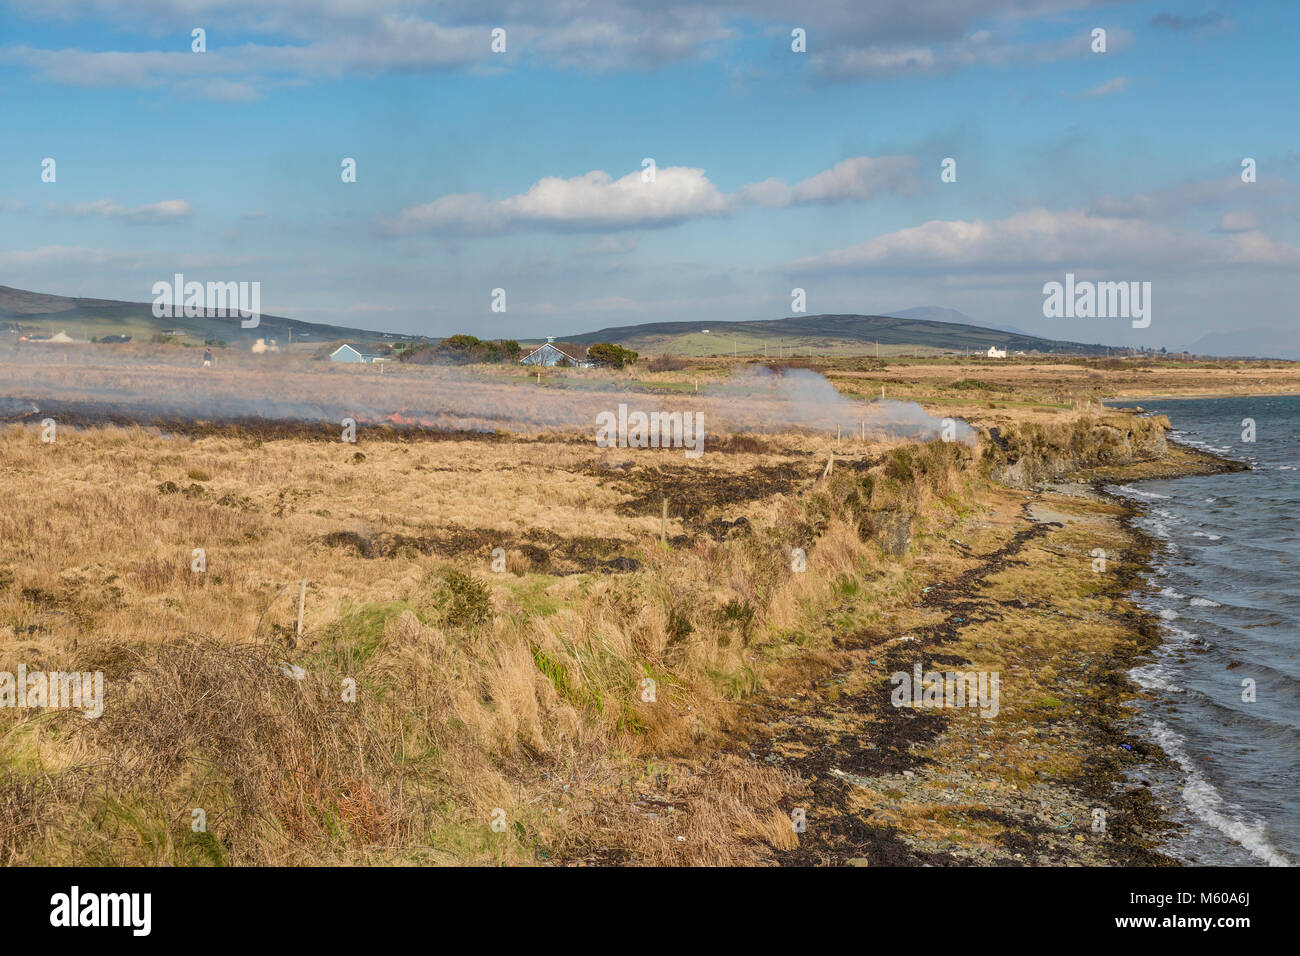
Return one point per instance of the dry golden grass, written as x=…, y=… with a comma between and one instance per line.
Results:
x=475, y=692
x=518, y=697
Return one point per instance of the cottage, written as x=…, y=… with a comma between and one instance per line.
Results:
x=558, y=353
x=995, y=352
x=356, y=354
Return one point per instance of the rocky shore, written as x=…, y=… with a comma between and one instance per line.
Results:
x=1016, y=587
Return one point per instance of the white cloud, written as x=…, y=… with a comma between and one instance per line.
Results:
x=1238, y=221
x=1072, y=239
x=1114, y=85
x=597, y=202
x=330, y=38
x=980, y=48
x=61, y=256
x=169, y=210
x=860, y=177
x=1269, y=193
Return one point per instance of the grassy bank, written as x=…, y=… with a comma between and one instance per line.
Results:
x=588, y=693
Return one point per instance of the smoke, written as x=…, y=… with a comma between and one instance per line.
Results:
x=807, y=399
x=13, y=409
x=291, y=388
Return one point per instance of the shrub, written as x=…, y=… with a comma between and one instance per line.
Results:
x=460, y=600
x=462, y=350
x=609, y=355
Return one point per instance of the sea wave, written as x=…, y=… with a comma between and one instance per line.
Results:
x=1210, y=807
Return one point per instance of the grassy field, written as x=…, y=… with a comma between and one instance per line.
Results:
x=508, y=656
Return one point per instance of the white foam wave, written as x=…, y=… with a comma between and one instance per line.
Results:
x=1154, y=677
x=1130, y=490
x=1209, y=806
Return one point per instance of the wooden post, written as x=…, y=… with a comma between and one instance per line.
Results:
x=830, y=462
x=663, y=524
x=302, y=601
x=864, y=429
x=838, y=430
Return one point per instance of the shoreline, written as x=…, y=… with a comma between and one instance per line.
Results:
x=1161, y=823
x=893, y=788
x=1107, y=402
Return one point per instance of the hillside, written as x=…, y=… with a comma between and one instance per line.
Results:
x=37, y=312
x=824, y=334
x=83, y=318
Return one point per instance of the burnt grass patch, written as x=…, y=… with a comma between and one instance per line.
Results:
x=546, y=551
x=693, y=493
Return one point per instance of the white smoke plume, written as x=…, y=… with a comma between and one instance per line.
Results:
x=278, y=387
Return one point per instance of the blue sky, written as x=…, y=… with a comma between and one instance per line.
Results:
x=774, y=169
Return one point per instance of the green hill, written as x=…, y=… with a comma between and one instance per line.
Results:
x=37, y=312
x=824, y=334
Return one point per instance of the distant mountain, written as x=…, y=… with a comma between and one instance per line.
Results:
x=826, y=333
x=1283, y=343
x=95, y=318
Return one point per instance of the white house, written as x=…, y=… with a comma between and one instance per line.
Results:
x=995, y=352
x=348, y=352
x=557, y=353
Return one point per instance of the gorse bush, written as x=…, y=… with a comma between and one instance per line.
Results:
x=463, y=350
x=609, y=355
x=458, y=599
